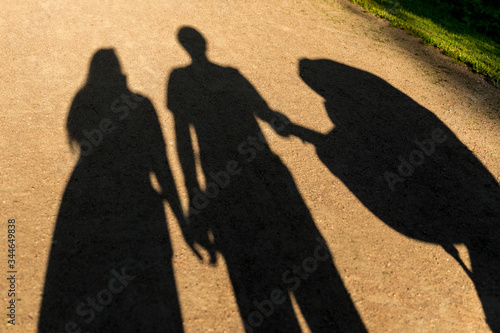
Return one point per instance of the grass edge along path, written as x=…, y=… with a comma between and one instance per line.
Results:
x=451, y=36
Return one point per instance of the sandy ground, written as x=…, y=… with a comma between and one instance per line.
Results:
x=397, y=284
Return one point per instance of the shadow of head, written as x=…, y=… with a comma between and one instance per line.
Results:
x=343, y=88
x=330, y=78
x=309, y=71
x=193, y=42
x=105, y=68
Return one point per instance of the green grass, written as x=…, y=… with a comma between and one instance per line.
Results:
x=431, y=22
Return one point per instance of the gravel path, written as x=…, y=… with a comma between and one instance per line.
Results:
x=399, y=278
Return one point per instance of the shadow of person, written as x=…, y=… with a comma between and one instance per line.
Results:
x=110, y=265
x=249, y=209
x=408, y=169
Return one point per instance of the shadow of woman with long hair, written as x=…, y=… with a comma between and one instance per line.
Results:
x=110, y=264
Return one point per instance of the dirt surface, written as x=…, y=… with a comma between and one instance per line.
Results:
x=390, y=273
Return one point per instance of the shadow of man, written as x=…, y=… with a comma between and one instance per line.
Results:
x=409, y=169
x=110, y=265
x=250, y=209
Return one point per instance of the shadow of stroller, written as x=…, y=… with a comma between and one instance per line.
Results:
x=408, y=169
x=110, y=265
x=250, y=210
